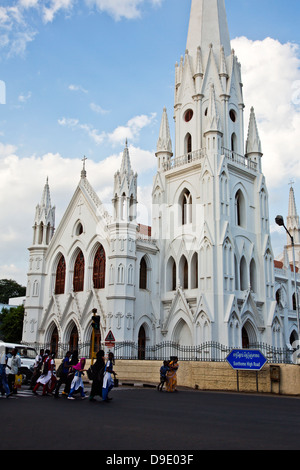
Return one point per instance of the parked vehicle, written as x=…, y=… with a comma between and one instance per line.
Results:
x=27, y=355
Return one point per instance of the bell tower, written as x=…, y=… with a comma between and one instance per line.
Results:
x=123, y=258
x=293, y=227
x=43, y=230
x=216, y=245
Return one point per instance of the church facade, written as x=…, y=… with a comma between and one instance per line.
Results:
x=205, y=269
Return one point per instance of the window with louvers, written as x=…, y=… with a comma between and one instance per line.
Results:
x=60, y=277
x=99, y=269
x=78, y=280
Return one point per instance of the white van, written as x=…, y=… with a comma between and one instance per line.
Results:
x=27, y=355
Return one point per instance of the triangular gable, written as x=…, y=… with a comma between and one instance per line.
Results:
x=84, y=195
x=203, y=306
x=206, y=235
x=226, y=234
x=231, y=307
x=233, y=85
x=250, y=305
x=158, y=183
x=266, y=245
x=187, y=87
x=211, y=76
x=206, y=167
x=179, y=303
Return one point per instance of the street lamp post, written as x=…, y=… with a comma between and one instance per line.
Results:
x=279, y=221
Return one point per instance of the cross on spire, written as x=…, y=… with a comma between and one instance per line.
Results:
x=291, y=183
x=83, y=172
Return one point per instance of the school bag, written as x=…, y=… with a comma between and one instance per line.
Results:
x=60, y=369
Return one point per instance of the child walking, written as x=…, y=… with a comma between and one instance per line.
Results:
x=163, y=375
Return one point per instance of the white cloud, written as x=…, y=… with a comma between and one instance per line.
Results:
x=49, y=12
x=28, y=3
x=77, y=88
x=14, y=30
x=118, y=9
x=17, y=29
x=271, y=78
x=130, y=131
x=74, y=124
x=98, y=109
x=21, y=192
x=23, y=98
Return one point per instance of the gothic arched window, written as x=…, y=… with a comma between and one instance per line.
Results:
x=99, y=268
x=60, y=276
x=78, y=280
x=253, y=276
x=243, y=275
x=143, y=274
x=183, y=272
x=194, y=271
x=171, y=274
x=233, y=142
x=240, y=209
x=294, y=301
x=188, y=146
x=186, y=207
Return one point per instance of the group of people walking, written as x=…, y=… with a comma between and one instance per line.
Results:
x=70, y=373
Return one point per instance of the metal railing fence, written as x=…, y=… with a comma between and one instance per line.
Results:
x=206, y=352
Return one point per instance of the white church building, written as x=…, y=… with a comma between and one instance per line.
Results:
x=205, y=270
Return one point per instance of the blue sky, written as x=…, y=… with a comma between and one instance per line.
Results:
x=82, y=75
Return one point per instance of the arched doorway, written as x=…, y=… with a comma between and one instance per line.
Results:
x=73, y=342
x=182, y=334
x=249, y=337
x=142, y=343
x=245, y=339
x=54, y=341
x=293, y=337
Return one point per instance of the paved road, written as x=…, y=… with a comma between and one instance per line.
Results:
x=138, y=419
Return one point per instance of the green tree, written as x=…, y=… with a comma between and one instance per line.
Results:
x=11, y=324
x=10, y=288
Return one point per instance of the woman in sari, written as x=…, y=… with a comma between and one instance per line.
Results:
x=171, y=382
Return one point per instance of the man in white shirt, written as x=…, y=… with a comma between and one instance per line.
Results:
x=14, y=370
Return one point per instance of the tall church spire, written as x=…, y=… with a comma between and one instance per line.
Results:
x=44, y=223
x=164, y=143
x=46, y=200
x=253, y=143
x=293, y=219
x=126, y=165
x=125, y=190
x=208, y=25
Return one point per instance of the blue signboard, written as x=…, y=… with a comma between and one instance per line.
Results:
x=246, y=359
